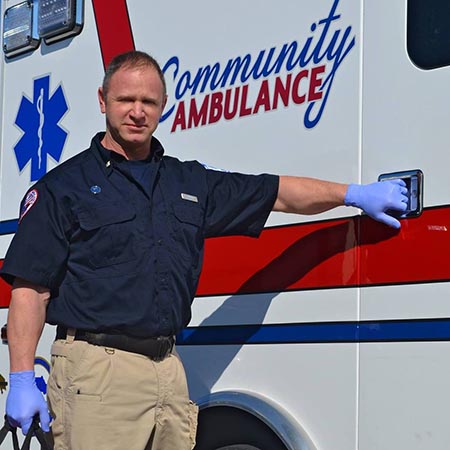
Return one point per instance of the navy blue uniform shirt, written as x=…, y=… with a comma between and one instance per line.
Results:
x=120, y=245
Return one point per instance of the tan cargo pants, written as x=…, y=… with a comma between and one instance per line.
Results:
x=107, y=399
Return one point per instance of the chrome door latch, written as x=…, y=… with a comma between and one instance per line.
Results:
x=414, y=183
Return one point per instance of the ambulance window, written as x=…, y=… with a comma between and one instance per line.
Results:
x=428, y=33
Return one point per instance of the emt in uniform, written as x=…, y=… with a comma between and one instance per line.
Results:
x=109, y=248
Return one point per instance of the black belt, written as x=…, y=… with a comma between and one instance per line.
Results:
x=156, y=348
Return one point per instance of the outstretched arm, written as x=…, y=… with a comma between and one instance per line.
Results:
x=308, y=195
x=312, y=196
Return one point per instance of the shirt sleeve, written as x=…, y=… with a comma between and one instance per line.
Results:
x=39, y=249
x=238, y=204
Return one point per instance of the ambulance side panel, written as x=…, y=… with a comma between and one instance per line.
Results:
x=333, y=324
x=404, y=393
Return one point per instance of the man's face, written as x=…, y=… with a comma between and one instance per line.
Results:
x=133, y=106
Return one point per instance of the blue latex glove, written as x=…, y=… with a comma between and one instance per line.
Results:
x=377, y=198
x=24, y=401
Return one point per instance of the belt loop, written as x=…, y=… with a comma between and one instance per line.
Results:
x=70, y=337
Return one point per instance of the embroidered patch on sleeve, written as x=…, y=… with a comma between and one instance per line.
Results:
x=29, y=201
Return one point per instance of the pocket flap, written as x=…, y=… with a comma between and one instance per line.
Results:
x=189, y=213
x=105, y=214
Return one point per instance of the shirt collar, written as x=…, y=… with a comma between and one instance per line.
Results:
x=108, y=158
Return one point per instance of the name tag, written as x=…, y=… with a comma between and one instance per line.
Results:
x=189, y=197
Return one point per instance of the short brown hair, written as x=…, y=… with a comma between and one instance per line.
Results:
x=131, y=59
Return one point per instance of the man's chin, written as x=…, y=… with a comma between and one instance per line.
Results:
x=136, y=139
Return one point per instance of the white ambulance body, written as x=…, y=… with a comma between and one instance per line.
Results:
x=329, y=332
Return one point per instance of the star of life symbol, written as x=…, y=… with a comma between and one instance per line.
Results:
x=39, y=121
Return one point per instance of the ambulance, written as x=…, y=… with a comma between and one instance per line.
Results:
x=328, y=332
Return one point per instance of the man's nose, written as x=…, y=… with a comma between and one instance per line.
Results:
x=138, y=110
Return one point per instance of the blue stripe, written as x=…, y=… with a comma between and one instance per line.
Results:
x=324, y=332
x=38, y=361
x=9, y=226
x=334, y=332
x=406, y=330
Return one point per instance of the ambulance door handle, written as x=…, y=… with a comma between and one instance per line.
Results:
x=414, y=183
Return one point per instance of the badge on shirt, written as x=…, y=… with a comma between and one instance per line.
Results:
x=29, y=201
x=189, y=197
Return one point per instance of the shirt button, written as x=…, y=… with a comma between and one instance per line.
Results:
x=160, y=241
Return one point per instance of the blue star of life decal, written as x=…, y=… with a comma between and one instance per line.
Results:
x=39, y=120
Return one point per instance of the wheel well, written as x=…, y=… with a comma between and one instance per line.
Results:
x=226, y=426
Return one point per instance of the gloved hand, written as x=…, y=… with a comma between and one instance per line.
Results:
x=377, y=198
x=24, y=401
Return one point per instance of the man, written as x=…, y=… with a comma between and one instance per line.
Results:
x=109, y=248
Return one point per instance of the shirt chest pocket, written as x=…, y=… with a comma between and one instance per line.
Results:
x=188, y=225
x=107, y=234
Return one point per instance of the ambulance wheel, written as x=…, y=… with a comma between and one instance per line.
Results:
x=228, y=428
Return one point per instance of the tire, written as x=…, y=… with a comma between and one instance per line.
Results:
x=228, y=428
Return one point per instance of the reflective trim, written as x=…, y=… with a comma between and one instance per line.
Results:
x=290, y=432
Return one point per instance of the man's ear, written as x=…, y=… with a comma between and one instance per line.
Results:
x=101, y=100
x=164, y=103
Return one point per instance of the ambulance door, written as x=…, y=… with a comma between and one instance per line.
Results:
x=404, y=356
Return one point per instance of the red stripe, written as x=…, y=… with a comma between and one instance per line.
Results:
x=5, y=292
x=326, y=254
x=419, y=253
x=113, y=27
